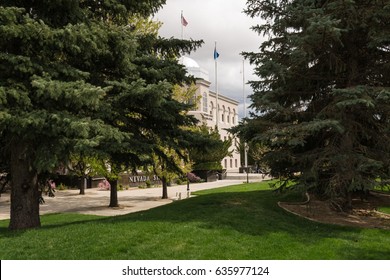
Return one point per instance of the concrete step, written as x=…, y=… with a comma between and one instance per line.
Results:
x=244, y=176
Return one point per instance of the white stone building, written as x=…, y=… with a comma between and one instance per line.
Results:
x=206, y=110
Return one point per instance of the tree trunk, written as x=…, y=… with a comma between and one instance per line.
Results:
x=82, y=185
x=348, y=204
x=164, y=188
x=24, y=190
x=113, y=194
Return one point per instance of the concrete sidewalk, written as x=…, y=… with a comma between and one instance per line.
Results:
x=96, y=202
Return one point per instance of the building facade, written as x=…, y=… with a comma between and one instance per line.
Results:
x=214, y=110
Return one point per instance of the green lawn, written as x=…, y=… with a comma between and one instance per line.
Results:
x=384, y=209
x=238, y=222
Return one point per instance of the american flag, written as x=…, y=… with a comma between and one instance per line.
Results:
x=183, y=20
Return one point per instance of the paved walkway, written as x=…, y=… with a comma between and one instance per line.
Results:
x=96, y=202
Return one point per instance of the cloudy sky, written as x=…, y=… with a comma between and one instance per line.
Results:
x=221, y=21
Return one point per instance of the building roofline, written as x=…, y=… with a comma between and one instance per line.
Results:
x=224, y=97
x=203, y=81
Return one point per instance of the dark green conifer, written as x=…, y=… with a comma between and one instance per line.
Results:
x=75, y=77
x=322, y=101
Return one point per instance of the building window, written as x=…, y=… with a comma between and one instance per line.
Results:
x=236, y=163
x=234, y=117
x=225, y=163
x=205, y=102
x=223, y=114
x=231, y=163
x=212, y=110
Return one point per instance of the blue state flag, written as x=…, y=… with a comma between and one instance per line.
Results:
x=216, y=54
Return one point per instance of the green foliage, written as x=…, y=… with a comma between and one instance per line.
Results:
x=384, y=210
x=81, y=165
x=62, y=187
x=208, y=149
x=257, y=151
x=48, y=98
x=186, y=95
x=148, y=184
x=90, y=78
x=322, y=103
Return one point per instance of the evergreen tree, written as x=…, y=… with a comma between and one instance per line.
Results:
x=148, y=108
x=76, y=76
x=169, y=162
x=322, y=103
x=208, y=150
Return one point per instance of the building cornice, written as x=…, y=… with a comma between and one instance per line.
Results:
x=224, y=98
x=203, y=82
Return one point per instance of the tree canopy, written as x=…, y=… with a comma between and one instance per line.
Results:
x=208, y=150
x=322, y=101
x=80, y=76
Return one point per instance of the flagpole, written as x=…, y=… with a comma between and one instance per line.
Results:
x=216, y=85
x=245, y=144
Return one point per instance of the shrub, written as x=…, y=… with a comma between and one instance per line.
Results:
x=193, y=178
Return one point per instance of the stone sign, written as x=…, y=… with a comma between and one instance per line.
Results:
x=137, y=180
